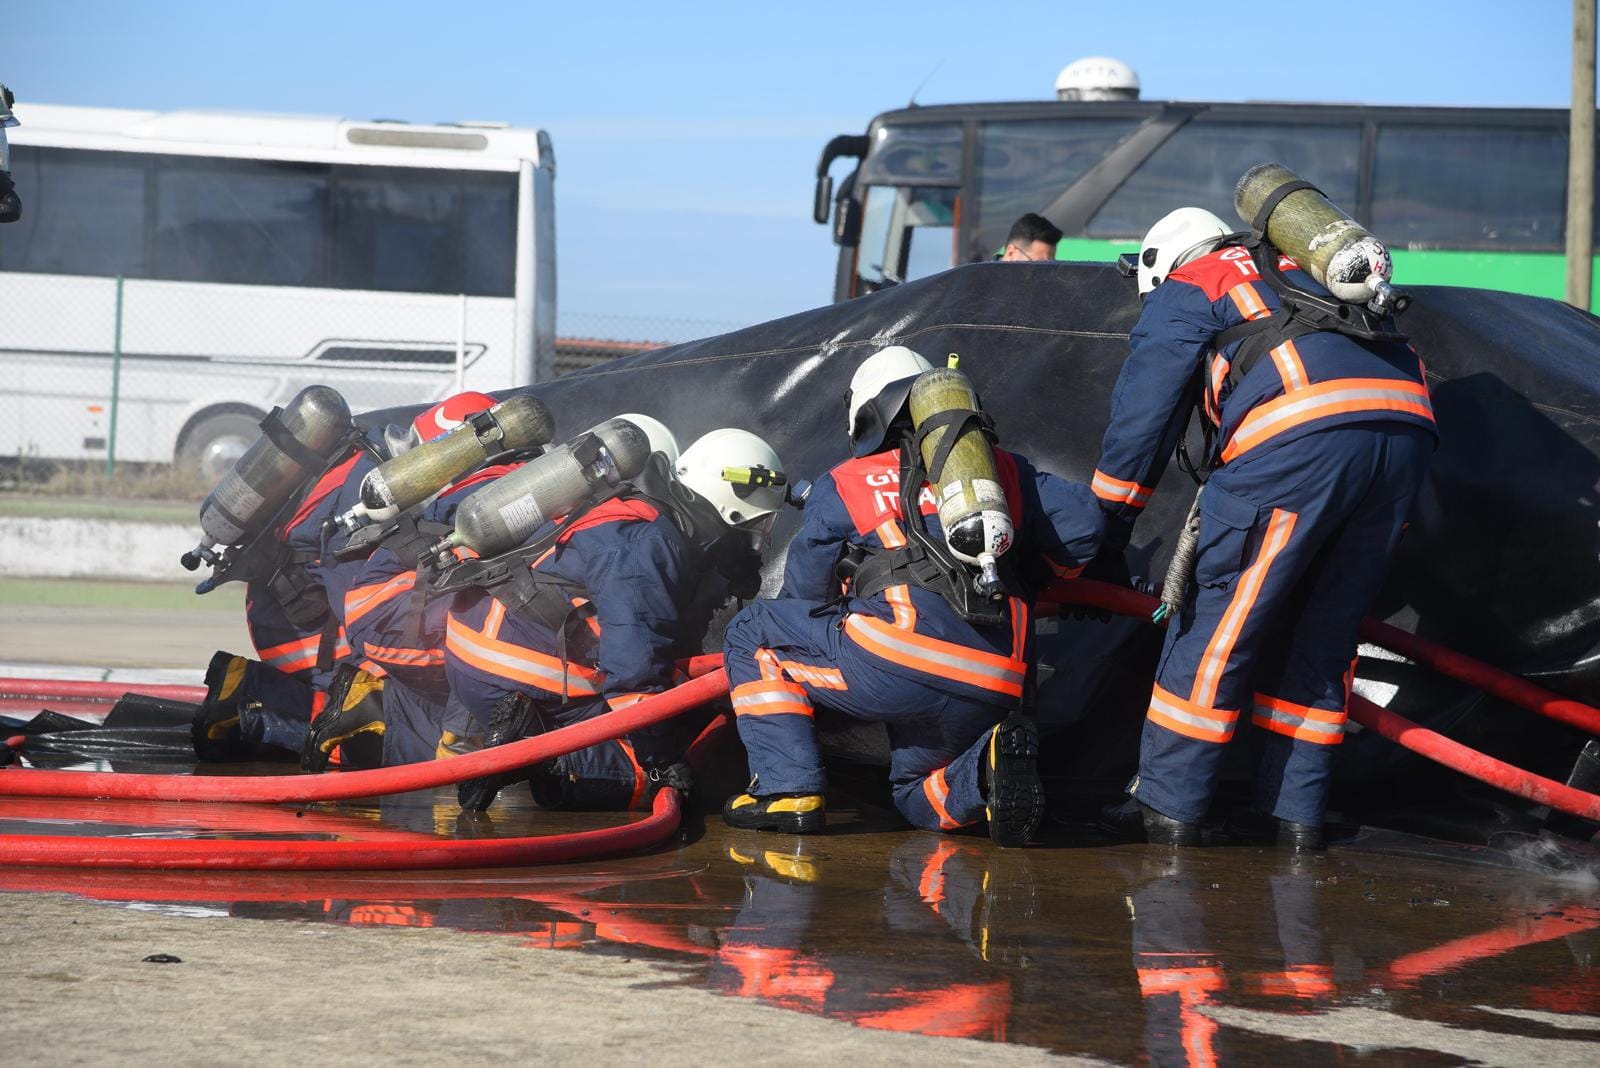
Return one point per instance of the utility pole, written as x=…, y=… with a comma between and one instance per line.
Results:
x=1580, y=158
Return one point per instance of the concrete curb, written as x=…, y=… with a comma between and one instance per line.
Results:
x=34, y=547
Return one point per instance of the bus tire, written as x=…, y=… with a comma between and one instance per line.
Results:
x=212, y=444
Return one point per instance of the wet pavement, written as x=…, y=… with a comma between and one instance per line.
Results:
x=1127, y=952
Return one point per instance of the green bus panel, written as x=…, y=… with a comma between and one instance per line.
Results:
x=1540, y=274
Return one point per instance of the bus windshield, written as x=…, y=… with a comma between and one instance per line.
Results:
x=1461, y=196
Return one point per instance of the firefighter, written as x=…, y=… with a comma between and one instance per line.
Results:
x=295, y=614
x=1321, y=441
x=615, y=592
x=397, y=624
x=898, y=649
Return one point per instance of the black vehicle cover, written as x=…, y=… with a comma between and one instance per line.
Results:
x=1502, y=560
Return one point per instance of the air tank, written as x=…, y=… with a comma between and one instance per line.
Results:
x=1307, y=227
x=404, y=481
x=972, y=503
x=508, y=511
x=266, y=476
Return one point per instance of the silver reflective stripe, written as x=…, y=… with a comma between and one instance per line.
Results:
x=773, y=698
x=553, y=677
x=1289, y=719
x=917, y=652
x=1220, y=724
x=1254, y=427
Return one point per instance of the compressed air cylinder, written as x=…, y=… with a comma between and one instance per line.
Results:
x=507, y=511
x=404, y=481
x=265, y=476
x=1335, y=249
x=972, y=504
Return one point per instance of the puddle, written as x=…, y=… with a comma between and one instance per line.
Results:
x=1124, y=952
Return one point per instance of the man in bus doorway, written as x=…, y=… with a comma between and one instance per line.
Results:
x=1032, y=237
x=1322, y=441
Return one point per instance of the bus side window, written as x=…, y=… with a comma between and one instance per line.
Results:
x=85, y=213
x=1023, y=165
x=906, y=233
x=1470, y=187
x=1199, y=165
x=241, y=221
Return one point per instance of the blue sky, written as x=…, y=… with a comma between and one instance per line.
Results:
x=687, y=133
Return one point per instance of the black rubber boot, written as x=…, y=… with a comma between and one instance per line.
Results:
x=215, y=728
x=514, y=718
x=1300, y=837
x=1134, y=821
x=1014, y=800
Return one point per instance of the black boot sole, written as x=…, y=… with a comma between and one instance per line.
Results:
x=1016, y=796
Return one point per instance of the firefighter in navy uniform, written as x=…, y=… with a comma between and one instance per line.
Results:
x=625, y=587
x=895, y=650
x=295, y=614
x=1321, y=443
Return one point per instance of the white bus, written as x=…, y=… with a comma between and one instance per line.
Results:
x=176, y=274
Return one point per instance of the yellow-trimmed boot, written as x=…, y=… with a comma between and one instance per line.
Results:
x=790, y=813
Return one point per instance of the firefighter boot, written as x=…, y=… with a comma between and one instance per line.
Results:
x=514, y=718
x=1014, y=797
x=215, y=729
x=790, y=813
x=1134, y=821
x=351, y=722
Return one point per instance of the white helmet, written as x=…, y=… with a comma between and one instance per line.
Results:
x=662, y=440
x=1179, y=236
x=878, y=390
x=736, y=472
x=1097, y=78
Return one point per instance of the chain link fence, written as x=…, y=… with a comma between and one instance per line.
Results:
x=104, y=373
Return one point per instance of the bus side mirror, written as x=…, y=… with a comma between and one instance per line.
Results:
x=822, y=201
x=847, y=223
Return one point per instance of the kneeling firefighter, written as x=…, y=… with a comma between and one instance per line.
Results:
x=391, y=705
x=297, y=587
x=933, y=635
x=1321, y=430
x=592, y=611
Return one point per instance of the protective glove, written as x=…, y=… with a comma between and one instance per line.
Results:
x=678, y=775
x=1109, y=565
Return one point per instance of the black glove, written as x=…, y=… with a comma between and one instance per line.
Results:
x=678, y=775
x=1110, y=565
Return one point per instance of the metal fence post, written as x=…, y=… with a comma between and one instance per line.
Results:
x=116, y=382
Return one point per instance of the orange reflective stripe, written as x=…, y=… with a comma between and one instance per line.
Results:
x=1299, y=981
x=1196, y=982
x=905, y=611
x=1341, y=396
x=936, y=789
x=945, y=659
x=298, y=655
x=363, y=599
x=890, y=534
x=1290, y=370
x=640, y=779
x=1220, y=649
x=771, y=698
x=407, y=657
x=1189, y=719
x=811, y=674
x=497, y=616
x=1323, y=726
x=1248, y=301
x=771, y=669
x=931, y=886
x=1218, y=378
x=504, y=660
x=1062, y=572
x=1118, y=491
x=1019, y=627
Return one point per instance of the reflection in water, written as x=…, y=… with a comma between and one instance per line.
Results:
x=1118, y=952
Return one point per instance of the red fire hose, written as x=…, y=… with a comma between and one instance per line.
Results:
x=1397, y=728
x=277, y=789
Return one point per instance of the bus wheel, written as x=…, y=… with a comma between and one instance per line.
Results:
x=216, y=442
